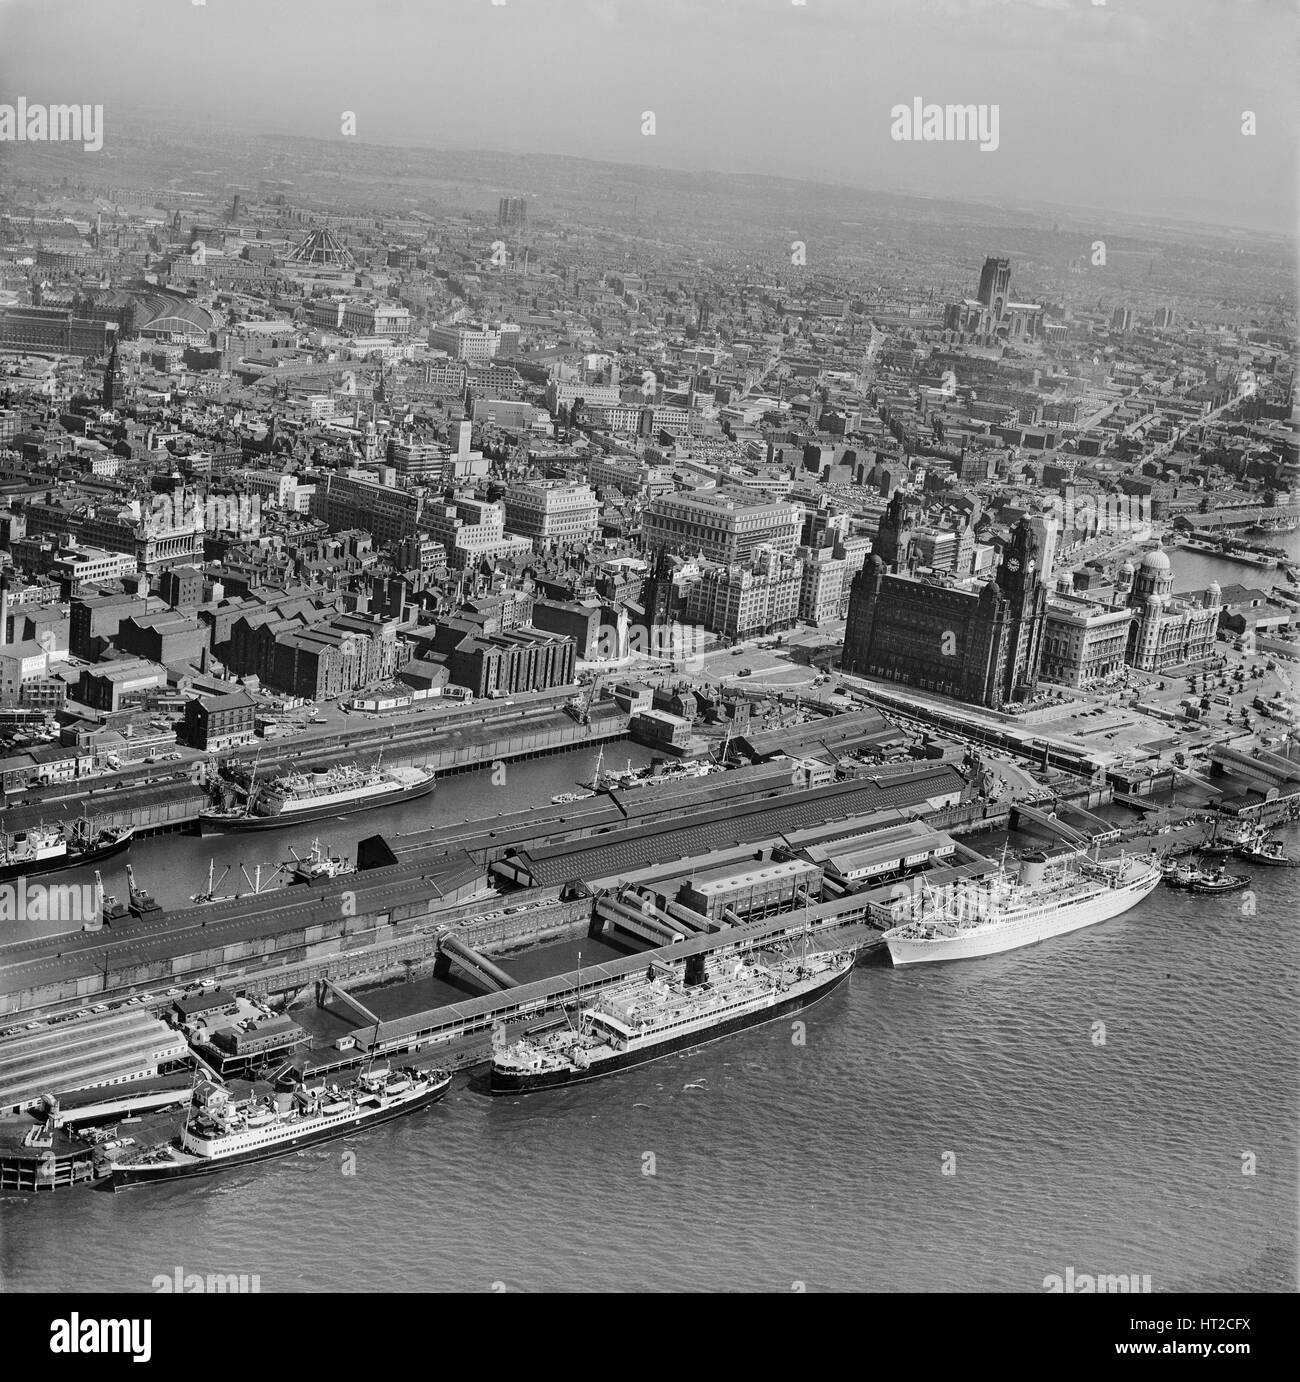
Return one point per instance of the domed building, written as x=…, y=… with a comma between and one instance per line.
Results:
x=1169, y=630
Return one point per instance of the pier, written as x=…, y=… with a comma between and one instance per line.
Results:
x=372, y=924
x=426, y=1032
x=465, y=745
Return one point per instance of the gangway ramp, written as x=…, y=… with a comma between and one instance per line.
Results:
x=1098, y=831
x=625, y=918
x=687, y=925
x=434, y=1027
x=1048, y=821
x=688, y=916
x=479, y=965
x=344, y=997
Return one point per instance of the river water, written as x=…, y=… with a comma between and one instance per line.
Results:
x=1118, y=1101
x=1194, y=571
x=175, y=867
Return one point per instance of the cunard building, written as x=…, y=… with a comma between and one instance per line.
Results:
x=977, y=641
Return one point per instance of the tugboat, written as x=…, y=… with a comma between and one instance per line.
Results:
x=1178, y=875
x=1220, y=882
x=1269, y=852
x=1213, y=847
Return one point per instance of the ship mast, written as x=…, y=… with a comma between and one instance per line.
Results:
x=252, y=784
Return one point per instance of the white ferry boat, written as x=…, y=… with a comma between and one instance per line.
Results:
x=650, y=1017
x=220, y=1132
x=297, y=798
x=964, y=921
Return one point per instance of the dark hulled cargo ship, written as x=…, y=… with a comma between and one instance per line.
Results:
x=49, y=849
x=648, y=1018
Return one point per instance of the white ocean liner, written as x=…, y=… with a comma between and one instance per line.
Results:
x=1008, y=910
x=220, y=1133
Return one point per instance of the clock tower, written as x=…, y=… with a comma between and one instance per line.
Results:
x=1020, y=578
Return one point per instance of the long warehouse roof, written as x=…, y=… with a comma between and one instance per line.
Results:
x=627, y=850
x=73, y=1055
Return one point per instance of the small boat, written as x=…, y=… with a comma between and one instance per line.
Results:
x=320, y=866
x=1212, y=847
x=206, y=899
x=1180, y=876
x=1220, y=882
x=564, y=798
x=1270, y=853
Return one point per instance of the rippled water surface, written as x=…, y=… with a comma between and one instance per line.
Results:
x=823, y=1163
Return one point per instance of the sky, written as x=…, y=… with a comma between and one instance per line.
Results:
x=1132, y=105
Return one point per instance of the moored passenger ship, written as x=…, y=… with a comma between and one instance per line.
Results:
x=45, y=849
x=221, y=1132
x=1008, y=910
x=299, y=798
x=647, y=1018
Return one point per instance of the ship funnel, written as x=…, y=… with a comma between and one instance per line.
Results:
x=1032, y=868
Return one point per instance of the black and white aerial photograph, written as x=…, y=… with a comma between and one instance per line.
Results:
x=649, y=647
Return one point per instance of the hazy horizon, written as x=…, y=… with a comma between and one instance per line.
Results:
x=1110, y=107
